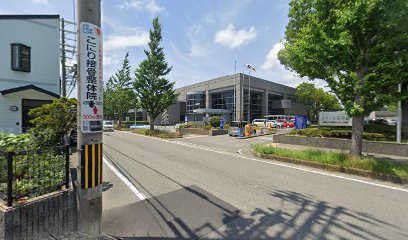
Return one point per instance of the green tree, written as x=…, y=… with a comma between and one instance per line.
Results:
x=155, y=92
x=316, y=100
x=108, y=102
x=121, y=97
x=56, y=119
x=359, y=47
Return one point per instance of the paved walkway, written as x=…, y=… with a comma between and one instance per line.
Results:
x=79, y=236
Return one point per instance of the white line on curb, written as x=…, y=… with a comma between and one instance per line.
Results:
x=273, y=163
x=132, y=187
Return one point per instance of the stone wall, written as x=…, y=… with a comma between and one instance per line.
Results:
x=344, y=144
x=51, y=214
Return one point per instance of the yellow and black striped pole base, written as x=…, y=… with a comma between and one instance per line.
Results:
x=91, y=165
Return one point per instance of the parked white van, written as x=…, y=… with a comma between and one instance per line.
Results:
x=259, y=122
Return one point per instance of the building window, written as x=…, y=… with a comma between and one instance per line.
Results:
x=20, y=57
x=292, y=99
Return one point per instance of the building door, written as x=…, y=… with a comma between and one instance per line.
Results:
x=26, y=106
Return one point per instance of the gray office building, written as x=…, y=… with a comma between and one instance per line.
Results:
x=254, y=97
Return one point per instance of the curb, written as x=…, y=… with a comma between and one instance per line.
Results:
x=252, y=136
x=335, y=168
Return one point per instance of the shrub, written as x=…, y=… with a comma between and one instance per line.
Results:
x=215, y=121
x=388, y=130
x=35, y=172
x=128, y=123
x=206, y=127
x=12, y=142
x=184, y=125
x=337, y=133
x=155, y=133
x=60, y=117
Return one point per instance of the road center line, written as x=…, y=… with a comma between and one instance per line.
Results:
x=132, y=187
x=272, y=163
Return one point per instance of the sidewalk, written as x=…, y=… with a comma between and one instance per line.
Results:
x=398, y=159
x=79, y=236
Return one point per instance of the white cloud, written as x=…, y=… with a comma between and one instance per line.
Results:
x=44, y=2
x=123, y=41
x=232, y=38
x=271, y=58
x=149, y=5
x=194, y=34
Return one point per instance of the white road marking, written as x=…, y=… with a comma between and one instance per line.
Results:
x=266, y=138
x=274, y=163
x=195, y=136
x=132, y=187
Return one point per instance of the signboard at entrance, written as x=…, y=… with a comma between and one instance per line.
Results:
x=338, y=118
x=91, y=82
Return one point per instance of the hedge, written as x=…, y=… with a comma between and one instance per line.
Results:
x=318, y=132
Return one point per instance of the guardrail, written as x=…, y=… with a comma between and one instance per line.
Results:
x=32, y=173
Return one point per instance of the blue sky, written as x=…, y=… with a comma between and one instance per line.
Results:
x=201, y=39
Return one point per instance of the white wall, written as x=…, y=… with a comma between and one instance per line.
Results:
x=42, y=35
x=8, y=118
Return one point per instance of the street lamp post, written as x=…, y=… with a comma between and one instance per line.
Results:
x=249, y=96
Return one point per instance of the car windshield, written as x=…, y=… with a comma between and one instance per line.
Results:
x=108, y=123
x=234, y=124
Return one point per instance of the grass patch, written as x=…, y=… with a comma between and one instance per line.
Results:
x=372, y=164
x=155, y=133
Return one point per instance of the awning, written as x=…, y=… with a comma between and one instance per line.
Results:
x=28, y=87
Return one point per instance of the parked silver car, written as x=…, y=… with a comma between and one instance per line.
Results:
x=233, y=127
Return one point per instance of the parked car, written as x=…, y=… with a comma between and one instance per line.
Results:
x=280, y=123
x=259, y=122
x=272, y=123
x=291, y=123
x=108, y=126
x=233, y=127
x=381, y=121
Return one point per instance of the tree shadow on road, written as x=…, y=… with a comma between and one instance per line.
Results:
x=303, y=217
x=296, y=217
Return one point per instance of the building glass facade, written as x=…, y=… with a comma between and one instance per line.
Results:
x=271, y=99
x=195, y=100
x=224, y=100
x=256, y=105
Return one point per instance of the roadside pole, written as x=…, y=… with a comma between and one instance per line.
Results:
x=399, y=117
x=63, y=67
x=90, y=117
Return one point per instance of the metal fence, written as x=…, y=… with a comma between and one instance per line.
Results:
x=32, y=173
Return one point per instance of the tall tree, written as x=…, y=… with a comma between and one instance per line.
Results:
x=155, y=92
x=305, y=93
x=108, y=103
x=316, y=100
x=359, y=47
x=121, y=92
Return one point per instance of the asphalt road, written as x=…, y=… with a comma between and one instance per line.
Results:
x=201, y=187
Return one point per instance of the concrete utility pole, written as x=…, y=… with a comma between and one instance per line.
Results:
x=90, y=116
x=63, y=67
